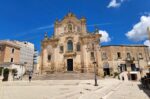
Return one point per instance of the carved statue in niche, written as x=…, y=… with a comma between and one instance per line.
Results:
x=70, y=27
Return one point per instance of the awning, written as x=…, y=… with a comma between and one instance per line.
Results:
x=133, y=72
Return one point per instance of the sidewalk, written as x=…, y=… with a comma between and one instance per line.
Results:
x=129, y=90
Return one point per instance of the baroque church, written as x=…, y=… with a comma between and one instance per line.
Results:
x=71, y=48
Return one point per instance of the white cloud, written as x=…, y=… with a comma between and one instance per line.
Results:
x=45, y=27
x=115, y=3
x=147, y=43
x=139, y=30
x=105, y=36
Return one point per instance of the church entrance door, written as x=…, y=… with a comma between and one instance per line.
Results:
x=69, y=64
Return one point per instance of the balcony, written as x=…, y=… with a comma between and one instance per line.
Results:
x=130, y=59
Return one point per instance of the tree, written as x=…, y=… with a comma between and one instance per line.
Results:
x=5, y=74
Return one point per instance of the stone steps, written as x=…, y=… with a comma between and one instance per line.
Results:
x=65, y=76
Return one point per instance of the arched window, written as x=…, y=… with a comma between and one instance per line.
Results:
x=78, y=47
x=70, y=45
x=69, y=27
x=13, y=50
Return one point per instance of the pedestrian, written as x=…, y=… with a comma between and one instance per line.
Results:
x=123, y=78
x=30, y=77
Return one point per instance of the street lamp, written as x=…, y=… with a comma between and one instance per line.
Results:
x=94, y=62
x=94, y=40
x=95, y=70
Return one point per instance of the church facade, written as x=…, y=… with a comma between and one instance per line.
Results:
x=71, y=48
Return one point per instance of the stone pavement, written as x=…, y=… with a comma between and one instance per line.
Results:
x=71, y=89
x=129, y=90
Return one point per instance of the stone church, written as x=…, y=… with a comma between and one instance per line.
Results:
x=71, y=48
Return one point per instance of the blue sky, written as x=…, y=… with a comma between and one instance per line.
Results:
x=27, y=20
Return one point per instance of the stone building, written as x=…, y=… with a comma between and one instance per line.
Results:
x=9, y=52
x=130, y=60
x=71, y=48
x=10, y=57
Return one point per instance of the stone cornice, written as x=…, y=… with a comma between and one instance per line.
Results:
x=70, y=54
x=90, y=38
x=52, y=41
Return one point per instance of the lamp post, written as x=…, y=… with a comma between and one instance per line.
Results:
x=94, y=61
x=95, y=39
x=95, y=64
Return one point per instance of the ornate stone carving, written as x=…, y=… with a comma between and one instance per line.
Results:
x=70, y=54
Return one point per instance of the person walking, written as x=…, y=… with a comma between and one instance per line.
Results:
x=30, y=77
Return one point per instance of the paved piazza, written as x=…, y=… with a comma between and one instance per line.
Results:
x=72, y=89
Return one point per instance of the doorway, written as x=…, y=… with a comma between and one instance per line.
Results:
x=69, y=64
x=133, y=76
x=106, y=71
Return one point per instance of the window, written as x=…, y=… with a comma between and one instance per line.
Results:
x=61, y=49
x=70, y=45
x=78, y=47
x=49, y=57
x=118, y=54
x=13, y=50
x=133, y=67
x=128, y=55
x=104, y=56
x=92, y=54
x=140, y=56
x=12, y=60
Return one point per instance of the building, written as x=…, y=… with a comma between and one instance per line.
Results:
x=9, y=52
x=10, y=57
x=37, y=65
x=26, y=54
x=35, y=61
x=71, y=48
x=129, y=60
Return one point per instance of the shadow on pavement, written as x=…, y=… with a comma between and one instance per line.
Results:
x=145, y=90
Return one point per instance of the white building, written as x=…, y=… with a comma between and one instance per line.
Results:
x=37, y=66
x=35, y=60
x=26, y=54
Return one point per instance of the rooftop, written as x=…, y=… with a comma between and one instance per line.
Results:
x=9, y=43
x=126, y=45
